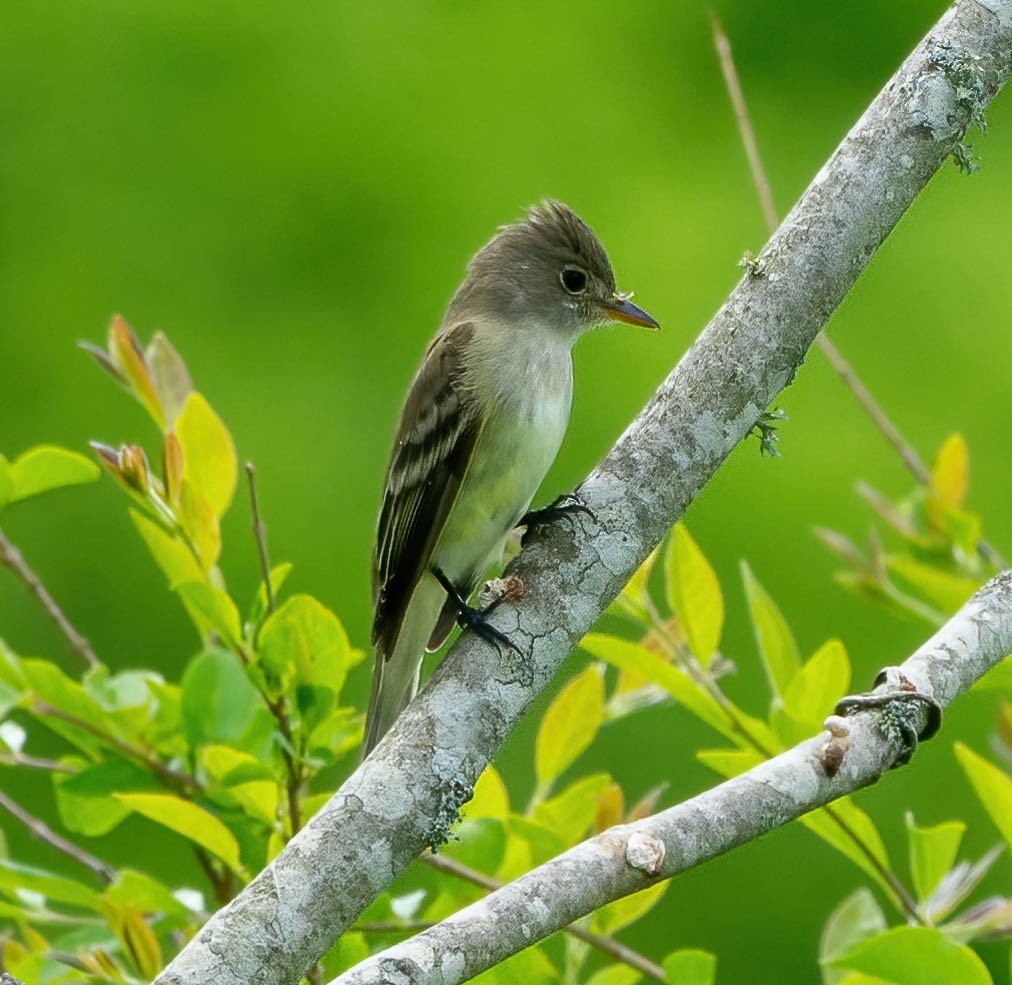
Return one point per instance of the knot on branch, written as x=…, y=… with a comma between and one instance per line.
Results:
x=645, y=853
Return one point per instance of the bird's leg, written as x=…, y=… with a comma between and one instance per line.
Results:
x=469, y=617
x=563, y=506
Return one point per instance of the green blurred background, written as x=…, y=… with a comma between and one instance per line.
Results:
x=291, y=192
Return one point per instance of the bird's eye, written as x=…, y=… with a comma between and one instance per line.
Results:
x=574, y=280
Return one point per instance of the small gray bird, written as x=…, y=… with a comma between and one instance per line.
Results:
x=481, y=426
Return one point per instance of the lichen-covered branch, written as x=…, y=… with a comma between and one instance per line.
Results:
x=631, y=857
x=408, y=792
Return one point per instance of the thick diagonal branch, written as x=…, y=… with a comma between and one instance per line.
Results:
x=631, y=857
x=406, y=795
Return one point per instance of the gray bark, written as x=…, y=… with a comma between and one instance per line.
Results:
x=407, y=794
x=630, y=857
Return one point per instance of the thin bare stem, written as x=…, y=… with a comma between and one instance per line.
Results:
x=260, y=534
x=35, y=763
x=604, y=944
x=172, y=776
x=11, y=557
x=908, y=454
x=44, y=833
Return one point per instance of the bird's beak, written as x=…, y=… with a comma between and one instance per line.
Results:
x=620, y=308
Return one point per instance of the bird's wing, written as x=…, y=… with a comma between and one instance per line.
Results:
x=435, y=443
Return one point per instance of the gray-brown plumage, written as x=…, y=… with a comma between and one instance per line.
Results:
x=480, y=427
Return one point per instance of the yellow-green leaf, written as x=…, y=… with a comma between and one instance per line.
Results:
x=612, y=917
x=200, y=523
x=631, y=599
x=932, y=853
x=128, y=357
x=942, y=589
x=490, y=797
x=209, y=457
x=189, y=820
x=170, y=554
x=777, y=648
x=826, y=823
x=47, y=467
x=950, y=473
x=730, y=762
x=140, y=942
x=993, y=786
x=569, y=725
x=215, y=607
x=694, y=594
x=571, y=813
x=815, y=689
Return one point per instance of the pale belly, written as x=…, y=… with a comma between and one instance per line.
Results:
x=515, y=451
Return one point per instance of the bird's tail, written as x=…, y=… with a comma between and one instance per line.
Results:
x=395, y=671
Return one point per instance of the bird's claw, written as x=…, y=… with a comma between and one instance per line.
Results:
x=898, y=702
x=565, y=505
x=468, y=617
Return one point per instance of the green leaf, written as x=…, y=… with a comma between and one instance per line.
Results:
x=916, y=956
x=531, y=967
x=993, y=787
x=15, y=877
x=258, y=609
x=632, y=599
x=858, y=917
x=209, y=457
x=571, y=813
x=304, y=643
x=478, y=844
x=146, y=894
x=932, y=853
x=170, y=554
x=637, y=658
x=542, y=842
x=54, y=688
x=44, y=468
x=86, y=800
x=220, y=706
x=216, y=609
x=189, y=820
x=861, y=825
x=813, y=693
x=776, y=644
x=246, y=780
x=612, y=917
x=569, y=726
x=688, y=967
x=694, y=594
x=616, y=974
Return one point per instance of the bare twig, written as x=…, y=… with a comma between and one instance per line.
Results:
x=35, y=763
x=260, y=534
x=606, y=945
x=44, y=833
x=11, y=557
x=908, y=454
x=174, y=777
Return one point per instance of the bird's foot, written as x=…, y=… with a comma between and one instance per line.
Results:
x=565, y=505
x=468, y=617
x=901, y=704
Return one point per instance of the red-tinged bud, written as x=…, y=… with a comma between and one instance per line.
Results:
x=134, y=468
x=172, y=468
x=107, y=456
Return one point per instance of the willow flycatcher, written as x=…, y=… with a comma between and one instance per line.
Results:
x=481, y=426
